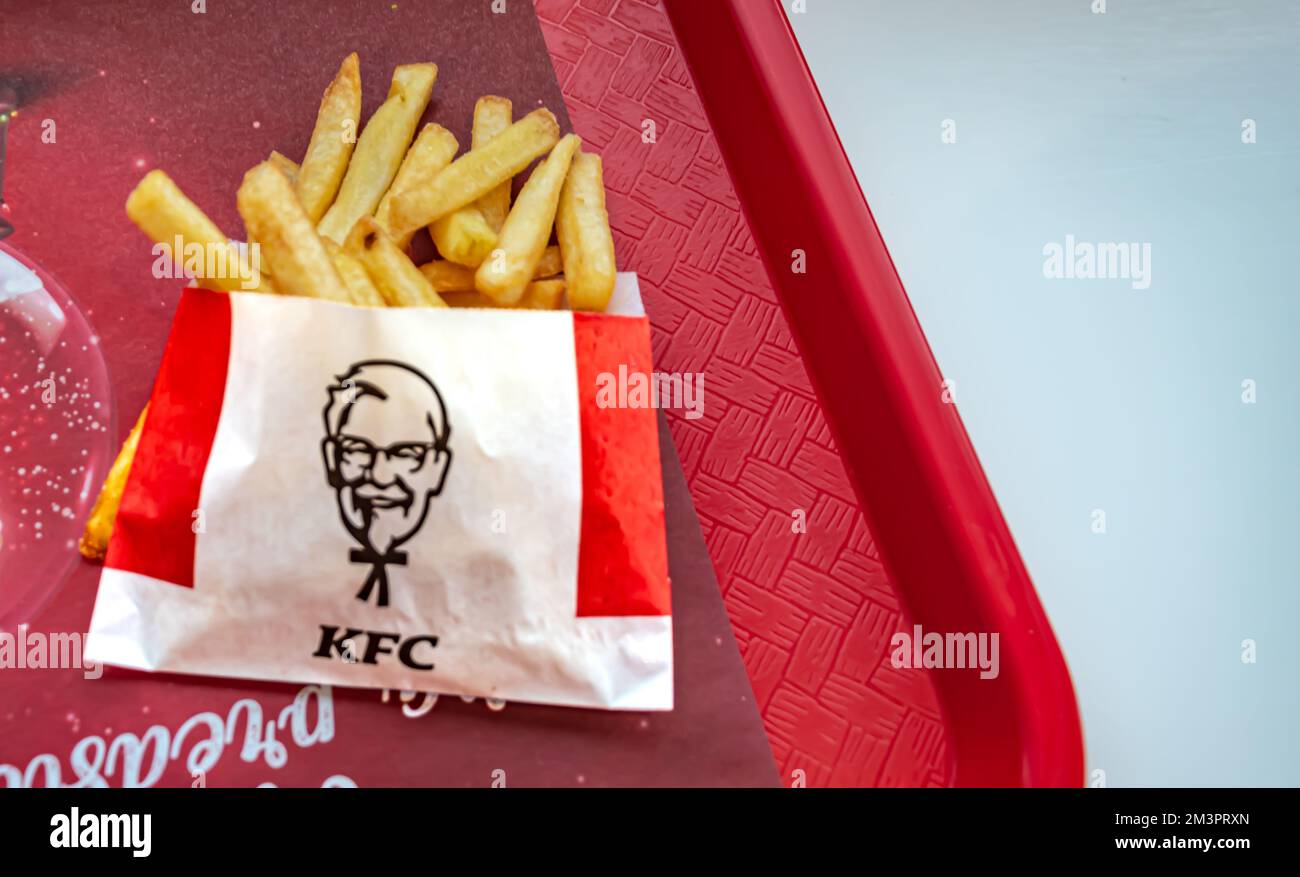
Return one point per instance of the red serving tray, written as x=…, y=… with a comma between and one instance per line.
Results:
x=812, y=612
x=934, y=517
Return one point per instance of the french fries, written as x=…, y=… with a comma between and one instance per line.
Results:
x=161, y=210
x=464, y=237
x=432, y=151
x=503, y=276
x=467, y=235
x=336, y=226
x=549, y=265
x=287, y=165
x=395, y=276
x=582, y=228
x=449, y=277
x=492, y=115
x=332, y=140
x=476, y=173
x=354, y=276
x=99, y=526
x=540, y=295
x=276, y=221
x=380, y=149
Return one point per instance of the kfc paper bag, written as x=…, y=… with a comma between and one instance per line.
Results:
x=425, y=499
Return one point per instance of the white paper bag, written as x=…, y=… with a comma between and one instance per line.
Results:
x=437, y=500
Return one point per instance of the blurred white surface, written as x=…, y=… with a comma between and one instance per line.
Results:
x=1088, y=394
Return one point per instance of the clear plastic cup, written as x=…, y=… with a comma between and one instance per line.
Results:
x=57, y=434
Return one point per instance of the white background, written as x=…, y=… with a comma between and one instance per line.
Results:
x=1083, y=395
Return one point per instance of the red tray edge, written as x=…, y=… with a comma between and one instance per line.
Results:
x=930, y=507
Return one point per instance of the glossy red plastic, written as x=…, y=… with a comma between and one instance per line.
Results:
x=931, y=510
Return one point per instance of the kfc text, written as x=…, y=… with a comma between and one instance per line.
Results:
x=373, y=644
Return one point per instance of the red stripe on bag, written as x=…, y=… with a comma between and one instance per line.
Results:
x=154, y=532
x=622, y=556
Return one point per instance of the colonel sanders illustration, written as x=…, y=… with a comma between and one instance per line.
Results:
x=386, y=456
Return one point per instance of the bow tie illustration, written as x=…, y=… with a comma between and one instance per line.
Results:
x=378, y=577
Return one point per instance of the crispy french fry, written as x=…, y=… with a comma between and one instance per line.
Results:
x=550, y=264
x=394, y=274
x=287, y=165
x=540, y=295
x=354, y=276
x=432, y=151
x=99, y=526
x=467, y=235
x=505, y=273
x=332, y=140
x=464, y=237
x=379, y=150
x=582, y=227
x=476, y=173
x=492, y=115
x=544, y=294
x=161, y=210
x=275, y=221
x=450, y=277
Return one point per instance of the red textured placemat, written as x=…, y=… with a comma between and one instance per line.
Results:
x=813, y=611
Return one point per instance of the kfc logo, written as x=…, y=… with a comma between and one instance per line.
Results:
x=386, y=456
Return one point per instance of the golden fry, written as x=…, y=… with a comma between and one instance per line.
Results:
x=492, y=116
x=354, y=276
x=467, y=235
x=380, y=149
x=582, y=227
x=505, y=273
x=464, y=237
x=287, y=165
x=432, y=151
x=276, y=222
x=99, y=526
x=476, y=173
x=550, y=264
x=162, y=212
x=395, y=276
x=332, y=140
x=540, y=295
x=449, y=277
